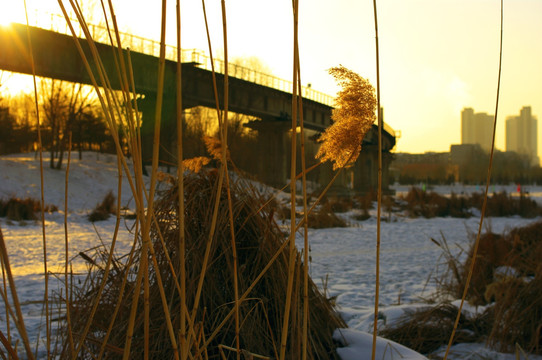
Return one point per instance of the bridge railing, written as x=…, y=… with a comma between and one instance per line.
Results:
x=99, y=33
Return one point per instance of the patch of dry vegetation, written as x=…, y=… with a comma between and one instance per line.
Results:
x=258, y=239
x=427, y=330
x=341, y=204
x=17, y=209
x=507, y=278
x=103, y=210
x=430, y=204
x=324, y=217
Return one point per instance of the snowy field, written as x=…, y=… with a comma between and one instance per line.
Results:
x=343, y=259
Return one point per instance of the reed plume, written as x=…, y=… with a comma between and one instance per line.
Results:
x=353, y=116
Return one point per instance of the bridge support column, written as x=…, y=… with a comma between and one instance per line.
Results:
x=168, y=130
x=273, y=151
x=366, y=170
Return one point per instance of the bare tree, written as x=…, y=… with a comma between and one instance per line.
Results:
x=64, y=106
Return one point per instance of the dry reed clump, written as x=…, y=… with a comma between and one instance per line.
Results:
x=518, y=318
x=499, y=258
x=277, y=209
x=365, y=203
x=340, y=204
x=428, y=329
x=507, y=277
x=518, y=308
x=517, y=294
x=258, y=239
x=503, y=204
x=494, y=251
x=22, y=209
x=103, y=210
x=430, y=204
x=324, y=217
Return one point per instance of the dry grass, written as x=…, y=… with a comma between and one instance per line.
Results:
x=103, y=210
x=514, y=296
x=17, y=209
x=324, y=217
x=428, y=329
x=430, y=204
x=365, y=203
x=257, y=240
x=503, y=204
x=341, y=204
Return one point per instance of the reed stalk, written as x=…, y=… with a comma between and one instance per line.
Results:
x=7, y=345
x=484, y=204
x=42, y=191
x=4, y=293
x=144, y=266
x=291, y=239
x=211, y=58
x=132, y=127
x=305, y=340
x=19, y=319
x=224, y=134
x=133, y=313
x=180, y=182
x=224, y=141
x=379, y=194
x=66, y=248
x=147, y=248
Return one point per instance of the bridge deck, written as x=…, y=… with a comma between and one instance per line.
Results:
x=57, y=23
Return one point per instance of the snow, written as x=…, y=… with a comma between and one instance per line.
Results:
x=342, y=259
x=361, y=347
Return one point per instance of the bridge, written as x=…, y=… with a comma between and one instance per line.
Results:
x=252, y=93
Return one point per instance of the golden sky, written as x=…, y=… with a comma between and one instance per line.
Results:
x=436, y=56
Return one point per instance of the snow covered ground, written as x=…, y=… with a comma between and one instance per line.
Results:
x=343, y=259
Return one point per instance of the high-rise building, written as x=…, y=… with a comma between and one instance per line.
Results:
x=476, y=128
x=522, y=134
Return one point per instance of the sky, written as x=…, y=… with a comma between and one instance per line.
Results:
x=436, y=56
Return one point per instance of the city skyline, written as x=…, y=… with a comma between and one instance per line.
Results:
x=521, y=132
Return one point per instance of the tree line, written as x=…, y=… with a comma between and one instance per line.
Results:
x=64, y=110
x=69, y=110
x=444, y=169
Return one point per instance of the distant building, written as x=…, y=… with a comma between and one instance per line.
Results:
x=464, y=153
x=522, y=134
x=476, y=128
x=429, y=168
x=471, y=162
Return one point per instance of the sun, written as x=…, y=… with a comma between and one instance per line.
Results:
x=11, y=11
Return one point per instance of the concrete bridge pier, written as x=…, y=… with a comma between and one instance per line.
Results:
x=168, y=129
x=274, y=139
